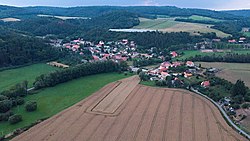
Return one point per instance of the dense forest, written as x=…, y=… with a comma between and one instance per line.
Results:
x=94, y=11
x=17, y=49
x=42, y=26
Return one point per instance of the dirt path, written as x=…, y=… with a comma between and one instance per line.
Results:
x=140, y=114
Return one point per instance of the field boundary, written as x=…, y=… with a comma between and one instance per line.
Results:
x=229, y=121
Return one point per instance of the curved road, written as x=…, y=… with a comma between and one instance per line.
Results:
x=223, y=113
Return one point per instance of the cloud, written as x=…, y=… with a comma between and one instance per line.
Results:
x=234, y=4
x=150, y=3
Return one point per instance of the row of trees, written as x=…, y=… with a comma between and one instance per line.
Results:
x=146, y=62
x=54, y=78
x=230, y=58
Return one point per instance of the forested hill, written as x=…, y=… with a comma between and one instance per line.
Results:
x=47, y=25
x=95, y=11
x=244, y=13
x=17, y=49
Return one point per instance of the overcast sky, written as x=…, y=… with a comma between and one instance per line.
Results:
x=208, y=4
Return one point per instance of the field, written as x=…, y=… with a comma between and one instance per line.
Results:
x=202, y=18
x=190, y=53
x=247, y=34
x=169, y=25
x=231, y=71
x=143, y=114
x=62, y=17
x=11, y=77
x=55, y=99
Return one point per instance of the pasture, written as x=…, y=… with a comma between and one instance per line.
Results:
x=202, y=18
x=11, y=77
x=190, y=53
x=170, y=25
x=138, y=113
x=55, y=99
x=231, y=71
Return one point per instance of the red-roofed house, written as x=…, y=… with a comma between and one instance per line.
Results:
x=174, y=54
x=205, y=84
x=96, y=58
x=166, y=64
x=190, y=64
x=176, y=64
x=232, y=41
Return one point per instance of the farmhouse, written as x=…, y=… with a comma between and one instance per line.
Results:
x=205, y=84
x=190, y=64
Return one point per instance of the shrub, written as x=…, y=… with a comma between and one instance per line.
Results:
x=19, y=101
x=5, y=106
x=15, y=119
x=5, y=116
x=245, y=105
x=2, y=97
x=31, y=106
x=236, y=106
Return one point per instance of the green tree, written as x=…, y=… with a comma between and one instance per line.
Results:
x=239, y=88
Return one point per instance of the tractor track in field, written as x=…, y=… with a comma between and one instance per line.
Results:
x=136, y=113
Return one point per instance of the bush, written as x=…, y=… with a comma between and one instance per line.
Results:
x=15, y=119
x=5, y=106
x=31, y=106
x=236, y=106
x=245, y=106
x=19, y=101
x=5, y=116
x=2, y=97
x=247, y=98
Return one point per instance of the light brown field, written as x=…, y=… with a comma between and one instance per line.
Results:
x=231, y=71
x=145, y=114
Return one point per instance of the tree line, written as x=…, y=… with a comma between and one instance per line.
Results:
x=230, y=58
x=61, y=76
x=17, y=49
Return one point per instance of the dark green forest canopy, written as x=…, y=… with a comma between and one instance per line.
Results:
x=17, y=49
x=94, y=11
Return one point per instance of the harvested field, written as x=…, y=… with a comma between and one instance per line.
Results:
x=231, y=71
x=138, y=113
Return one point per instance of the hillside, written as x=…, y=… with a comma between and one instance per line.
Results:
x=242, y=13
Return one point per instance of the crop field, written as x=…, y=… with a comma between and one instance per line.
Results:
x=170, y=25
x=138, y=113
x=231, y=71
x=11, y=77
x=55, y=99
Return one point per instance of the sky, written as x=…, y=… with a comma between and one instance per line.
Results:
x=206, y=4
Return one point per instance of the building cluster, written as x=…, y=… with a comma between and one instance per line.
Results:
x=115, y=50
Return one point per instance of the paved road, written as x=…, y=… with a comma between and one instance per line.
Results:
x=224, y=114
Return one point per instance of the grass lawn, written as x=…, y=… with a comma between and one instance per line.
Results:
x=170, y=25
x=11, y=77
x=190, y=53
x=202, y=18
x=247, y=34
x=148, y=83
x=159, y=23
x=55, y=99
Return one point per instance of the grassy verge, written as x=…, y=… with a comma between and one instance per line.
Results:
x=55, y=99
x=11, y=77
